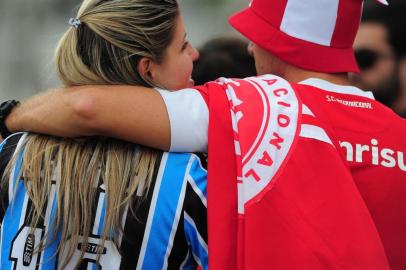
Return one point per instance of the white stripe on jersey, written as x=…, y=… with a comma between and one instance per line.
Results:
x=24, y=208
x=194, y=185
x=312, y=131
x=237, y=148
x=315, y=132
x=335, y=88
x=152, y=210
x=319, y=24
x=197, y=259
x=197, y=190
x=184, y=263
x=99, y=210
x=14, y=182
x=201, y=240
x=179, y=210
x=306, y=110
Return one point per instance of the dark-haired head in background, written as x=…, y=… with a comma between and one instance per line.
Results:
x=223, y=57
x=380, y=49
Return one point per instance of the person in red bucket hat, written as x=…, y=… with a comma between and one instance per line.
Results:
x=312, y=35
x=305, y=171
x=310, y=43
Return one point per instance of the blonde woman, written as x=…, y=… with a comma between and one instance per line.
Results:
x=100, y=203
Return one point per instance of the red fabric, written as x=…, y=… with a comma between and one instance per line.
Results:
x=310, y=215
x=270, y=12
x=380, y=179
x=221, y=195
x=261, y=23
x=313, y=218
x=347, y=23
x=295, y=51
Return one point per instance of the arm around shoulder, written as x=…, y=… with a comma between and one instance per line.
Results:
x=56, y=113
x=131, y=113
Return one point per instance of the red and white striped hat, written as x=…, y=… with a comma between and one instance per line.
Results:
x=316, y=35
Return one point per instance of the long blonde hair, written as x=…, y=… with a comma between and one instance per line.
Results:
x=105, y=49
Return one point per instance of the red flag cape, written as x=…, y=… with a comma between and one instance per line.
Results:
x=279, y=195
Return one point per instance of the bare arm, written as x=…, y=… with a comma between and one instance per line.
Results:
x=135, y=114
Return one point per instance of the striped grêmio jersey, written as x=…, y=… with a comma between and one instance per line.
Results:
x=168, y=230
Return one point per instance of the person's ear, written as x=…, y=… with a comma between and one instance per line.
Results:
x=144, y=68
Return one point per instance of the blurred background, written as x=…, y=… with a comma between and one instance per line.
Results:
x=30, y=30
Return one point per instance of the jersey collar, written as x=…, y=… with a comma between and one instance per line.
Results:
x=340, y=89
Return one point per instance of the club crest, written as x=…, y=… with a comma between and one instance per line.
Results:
x=264, y=112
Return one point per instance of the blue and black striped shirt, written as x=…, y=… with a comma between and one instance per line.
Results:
x=168, y=231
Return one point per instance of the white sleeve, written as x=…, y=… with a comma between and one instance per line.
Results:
x=189, y=120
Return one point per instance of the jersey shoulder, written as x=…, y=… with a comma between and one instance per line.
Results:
x=7, y=149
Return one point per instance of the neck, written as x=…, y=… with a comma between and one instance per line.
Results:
x=295, y=74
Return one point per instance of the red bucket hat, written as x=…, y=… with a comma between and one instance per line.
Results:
x=316, y=35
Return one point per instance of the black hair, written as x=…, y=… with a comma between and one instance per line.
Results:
x=392, y=18
x=223, y=57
